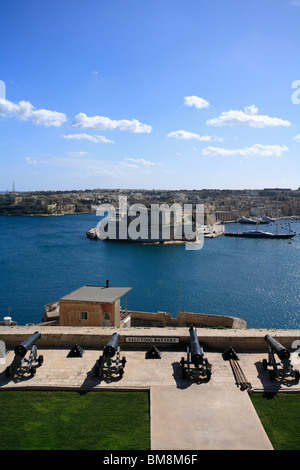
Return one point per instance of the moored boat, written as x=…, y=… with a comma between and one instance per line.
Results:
x=259, y=234
x=245, y=220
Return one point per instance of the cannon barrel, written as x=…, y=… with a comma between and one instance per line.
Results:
x=112, y=346
x=280, y=350
x=196, y=350
x=22, y=348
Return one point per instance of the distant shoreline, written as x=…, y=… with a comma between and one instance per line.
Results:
x=46, y=215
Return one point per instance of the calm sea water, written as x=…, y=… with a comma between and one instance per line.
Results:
x=45, y=258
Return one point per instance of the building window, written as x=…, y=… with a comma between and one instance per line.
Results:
x=83, y=315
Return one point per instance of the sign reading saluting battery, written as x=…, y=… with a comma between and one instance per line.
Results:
x=150, y=339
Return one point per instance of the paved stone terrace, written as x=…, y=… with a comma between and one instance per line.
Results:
x=58, y=370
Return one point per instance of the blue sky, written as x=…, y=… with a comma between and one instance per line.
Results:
x=162, y=94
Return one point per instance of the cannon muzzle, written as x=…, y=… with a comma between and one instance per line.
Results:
x=197, y=353
x=22, y=348
x=280, y=350
x=112, y=346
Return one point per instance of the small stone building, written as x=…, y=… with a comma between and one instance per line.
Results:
x=92, y=306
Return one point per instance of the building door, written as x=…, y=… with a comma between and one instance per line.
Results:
x=106, y=319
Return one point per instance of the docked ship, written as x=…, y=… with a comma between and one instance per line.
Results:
x=245, y=220
x=259, y=234
x=269, y=220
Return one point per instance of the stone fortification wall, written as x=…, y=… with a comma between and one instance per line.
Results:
x=184, y=319
x=136, y=338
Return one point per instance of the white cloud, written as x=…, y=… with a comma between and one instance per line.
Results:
x=22, y=110
x=195, y=101
x=130, y=165
x=140, y=164
x=25, y=110
x=181, y=134
x=81, y=164
x=92, y=138
x=83, y=121
x=297, y=137
x=81, y=167
x=248, y=117
x=30, y=161
x=140, y=161
x=256, y=150
x=44, y=117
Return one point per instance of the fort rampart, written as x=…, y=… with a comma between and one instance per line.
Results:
x=139, y=338
x=184, y=319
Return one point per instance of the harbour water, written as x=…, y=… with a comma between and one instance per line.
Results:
x=45, y=258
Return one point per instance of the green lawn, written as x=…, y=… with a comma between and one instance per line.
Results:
x=104, y=420
x=280, y=416
x=55, y=420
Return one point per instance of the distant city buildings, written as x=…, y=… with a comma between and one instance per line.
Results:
x=219, y=205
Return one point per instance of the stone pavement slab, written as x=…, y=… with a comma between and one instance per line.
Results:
x=205, y=419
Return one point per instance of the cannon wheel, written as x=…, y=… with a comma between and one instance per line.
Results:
x=183, y=369
x=265, y=364
x=32, y=371
x=272, y=375
x=40, y=360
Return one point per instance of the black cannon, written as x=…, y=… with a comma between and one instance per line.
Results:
x=107, y=367
x=196, y=365
x=20, y=352
x=286, y=368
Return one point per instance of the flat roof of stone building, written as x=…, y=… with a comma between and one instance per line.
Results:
x=101, y=294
